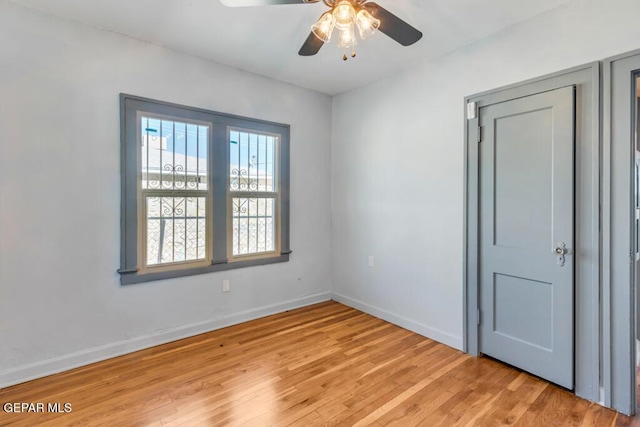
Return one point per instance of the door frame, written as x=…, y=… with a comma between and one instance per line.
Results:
x=586, y=79
x=618, y=227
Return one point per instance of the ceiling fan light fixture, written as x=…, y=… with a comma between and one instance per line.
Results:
x=344, y=16
x=324, y=27
x=367, y=24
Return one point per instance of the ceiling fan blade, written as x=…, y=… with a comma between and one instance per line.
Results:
x=244, y=3
x=311, y=46
x=393, y=26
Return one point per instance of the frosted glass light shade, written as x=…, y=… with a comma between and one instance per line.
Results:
x=367, y=24
x=347, y=37
x=344, y=14
x=324, y=27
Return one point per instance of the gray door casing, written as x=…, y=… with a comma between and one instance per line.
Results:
x=526, y=214
x=618, y=231
x=587, y=343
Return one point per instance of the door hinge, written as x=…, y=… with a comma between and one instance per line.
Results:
x=479, y=134
x=478, y=316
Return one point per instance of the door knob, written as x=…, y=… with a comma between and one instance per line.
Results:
x=560, y=250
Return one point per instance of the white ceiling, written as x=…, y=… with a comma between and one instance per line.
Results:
x=266, y=39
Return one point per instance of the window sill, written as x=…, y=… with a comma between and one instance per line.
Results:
x=130, y=277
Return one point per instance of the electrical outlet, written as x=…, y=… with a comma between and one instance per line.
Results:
x=225, y=286
x=370, y=261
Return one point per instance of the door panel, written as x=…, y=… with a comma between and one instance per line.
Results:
x=530, y=323
x=526, y=211
x=521, y=209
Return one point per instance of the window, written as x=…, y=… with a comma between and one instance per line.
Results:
x=201, y=191
x=253, y=190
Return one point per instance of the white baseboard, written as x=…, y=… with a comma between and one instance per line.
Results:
x=96, y=354
x=413, y=326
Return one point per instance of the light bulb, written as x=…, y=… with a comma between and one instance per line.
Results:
x=367, y=24
x=347, y=37
x=324, y=27
x=344, y=14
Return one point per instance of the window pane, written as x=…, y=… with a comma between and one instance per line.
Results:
x=176, y=229
x=173, y=154
x=253, y=225
x=252, y=161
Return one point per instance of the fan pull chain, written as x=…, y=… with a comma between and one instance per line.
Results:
x=353, y=55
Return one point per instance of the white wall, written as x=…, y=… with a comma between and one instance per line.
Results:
x=398, y=161
x=61, y=303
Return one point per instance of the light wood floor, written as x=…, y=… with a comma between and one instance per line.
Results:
x=321, y=365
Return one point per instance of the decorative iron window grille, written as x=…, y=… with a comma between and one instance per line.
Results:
x=201, y=191
x=174, y=190
x=253, y=188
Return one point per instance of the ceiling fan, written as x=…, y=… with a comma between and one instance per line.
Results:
x=345, y=16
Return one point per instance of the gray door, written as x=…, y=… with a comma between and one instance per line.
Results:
x=526, y=233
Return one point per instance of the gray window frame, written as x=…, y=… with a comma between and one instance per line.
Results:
x=218, y=178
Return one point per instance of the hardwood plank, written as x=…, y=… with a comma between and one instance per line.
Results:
x=326, y=364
